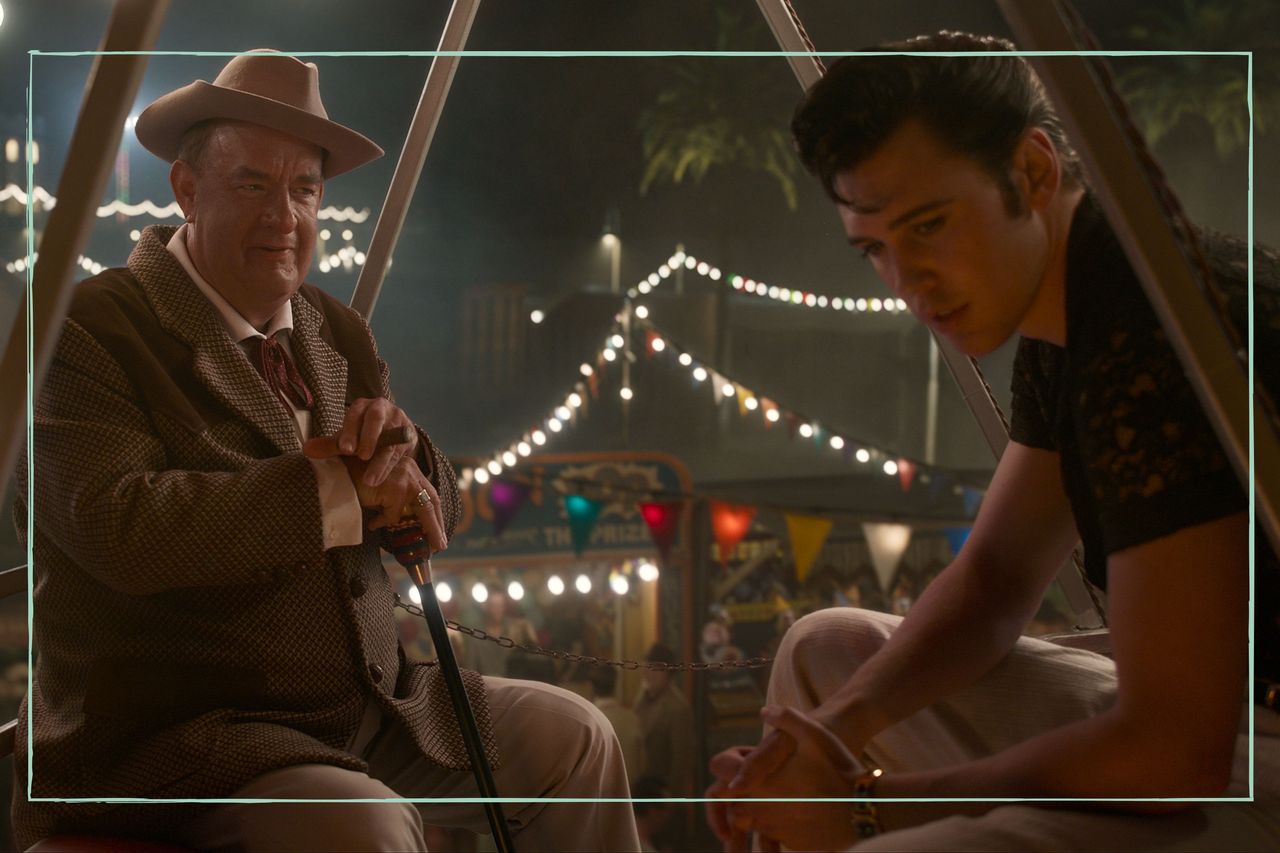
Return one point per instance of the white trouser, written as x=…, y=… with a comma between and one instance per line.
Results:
x=553, y=744
x=1039, y=686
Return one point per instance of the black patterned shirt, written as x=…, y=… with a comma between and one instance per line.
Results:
x=1139, y=457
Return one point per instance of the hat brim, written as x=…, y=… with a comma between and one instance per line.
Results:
x=160, y=126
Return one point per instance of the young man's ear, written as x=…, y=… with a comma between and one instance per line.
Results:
x=182, y=178
x=1037, y=172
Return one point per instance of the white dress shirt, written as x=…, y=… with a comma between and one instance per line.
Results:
x=339, y=506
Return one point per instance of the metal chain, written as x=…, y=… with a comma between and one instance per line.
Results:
x=590, y=660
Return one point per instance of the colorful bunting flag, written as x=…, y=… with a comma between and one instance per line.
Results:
x=583, y=513
x=887, y=543
x=663, y=518
x=808, y=533
x=906, y=473
x=956, y=537
x=730, y=523
x=506, y=498
x=972, y=500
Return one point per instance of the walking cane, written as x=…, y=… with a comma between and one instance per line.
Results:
x=408, y=544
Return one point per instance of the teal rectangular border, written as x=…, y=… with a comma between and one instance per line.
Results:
x=514, y=54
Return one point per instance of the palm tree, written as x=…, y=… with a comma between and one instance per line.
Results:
x=1163, y=92
x=722, y=114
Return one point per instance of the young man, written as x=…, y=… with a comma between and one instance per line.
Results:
x=211, y=612
x=953, y=178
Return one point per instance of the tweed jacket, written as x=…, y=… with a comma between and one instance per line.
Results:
x=190, y=631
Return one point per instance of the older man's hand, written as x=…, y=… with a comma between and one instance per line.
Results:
x=388, y=479
x=365, y=420
x=800, y=758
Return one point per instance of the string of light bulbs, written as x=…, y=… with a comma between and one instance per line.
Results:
x=563, y=415
x=753, y=287
x=45, y=201
x=618, y=581
x=20, y=265
x=851, y=448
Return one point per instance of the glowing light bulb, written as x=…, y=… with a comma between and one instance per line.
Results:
x=772, y=415
x=648, y=572
x=508, y=458
x=444, y=593
x=863, y=455
x=536, y=316
x=837, y=443
x=642, y=312
x=700, y=374
x=890, y=467
x=658, y=345
x=586, y=369
x=481, y=475
x=563, y=413
x=515, y=590
x=619, y=584
x=539, y=437
x=806, y=430
x=555, y=585
x=625, y=393
x=479, y=592
x=617, y=341
x=523, y=448
x=610, y=355
x=582, y=584
x=685, y=359
x=574, y=400
x=495, y=467
x=555, y=425
x=416, y=597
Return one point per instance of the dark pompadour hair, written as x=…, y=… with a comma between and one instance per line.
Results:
x=979, y=106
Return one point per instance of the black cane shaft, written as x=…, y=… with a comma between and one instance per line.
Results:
x=462, y=707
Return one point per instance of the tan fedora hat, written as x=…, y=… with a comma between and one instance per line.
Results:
x=263, y=87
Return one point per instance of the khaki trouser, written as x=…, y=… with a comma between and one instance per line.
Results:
x=553, y=744
x=1039, y=686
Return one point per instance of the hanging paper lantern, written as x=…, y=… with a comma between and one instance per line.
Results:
x=906, y=473
x=730, y=523
x=506, y=498
x=808, y=533
x=663, y=518
x=887, y=543
x=583, y=513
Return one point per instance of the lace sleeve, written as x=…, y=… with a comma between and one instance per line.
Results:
x=1034, y=372
x=1153, y=462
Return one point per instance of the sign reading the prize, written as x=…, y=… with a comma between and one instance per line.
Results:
x=568, y=505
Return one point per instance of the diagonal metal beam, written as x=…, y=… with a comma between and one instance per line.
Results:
x=1130, y=191
x=409, y=168
x=974, y=389
x=108, y=97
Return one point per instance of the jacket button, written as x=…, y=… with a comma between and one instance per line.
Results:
x=357, y=587
x=375, y=672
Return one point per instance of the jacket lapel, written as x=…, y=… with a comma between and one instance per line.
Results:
x=217, y=362
x=323, y=368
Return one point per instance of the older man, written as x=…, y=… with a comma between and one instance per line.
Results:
x=212, y=618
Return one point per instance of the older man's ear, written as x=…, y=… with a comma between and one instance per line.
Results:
x=182, y=178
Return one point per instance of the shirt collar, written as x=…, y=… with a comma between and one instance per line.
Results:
x=236, y=325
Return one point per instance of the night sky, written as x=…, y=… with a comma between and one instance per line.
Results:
x=532, y=153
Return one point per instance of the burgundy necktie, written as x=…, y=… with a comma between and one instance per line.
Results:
x=280, y=373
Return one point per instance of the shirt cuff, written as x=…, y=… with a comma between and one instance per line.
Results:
x=340, y=517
